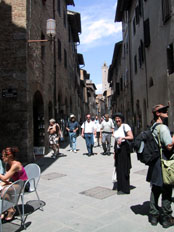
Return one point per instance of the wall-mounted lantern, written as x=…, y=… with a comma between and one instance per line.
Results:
x=50, y=31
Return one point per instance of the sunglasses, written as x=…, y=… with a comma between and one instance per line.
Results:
x=164, y=111
x=118, y=120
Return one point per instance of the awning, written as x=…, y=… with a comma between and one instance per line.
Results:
x=80, y=59
x=122, y=5
x=75, y=23
x=70, y=2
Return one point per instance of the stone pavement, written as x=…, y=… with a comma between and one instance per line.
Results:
x=77, y=191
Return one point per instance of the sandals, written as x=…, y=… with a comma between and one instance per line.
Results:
x=10, y=215
x=2, y=216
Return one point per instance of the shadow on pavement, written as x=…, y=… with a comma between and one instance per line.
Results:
x=45, y=162
x=141, y=209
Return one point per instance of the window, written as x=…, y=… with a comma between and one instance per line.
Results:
x=137, y=16
x=42, y=46
x=121, y=84
x=140, y=7
x=65, y=58
x=134, y=26
x=117, y=89
x=141, y=53
x=43, y=2
x=170, y=59
x=135, y=63
x=166, y=10
x=64, y=18
x=146, y=33
x=59, y=50
x=59, y=7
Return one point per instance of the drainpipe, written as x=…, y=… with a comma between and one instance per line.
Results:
x=130, y=74
x=55, y=68
x=145, y=63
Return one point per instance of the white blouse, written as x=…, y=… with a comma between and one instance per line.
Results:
x=119, y=132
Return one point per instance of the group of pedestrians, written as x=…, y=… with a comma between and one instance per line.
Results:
x=104, y=129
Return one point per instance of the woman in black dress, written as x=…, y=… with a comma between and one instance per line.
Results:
x=122, y=134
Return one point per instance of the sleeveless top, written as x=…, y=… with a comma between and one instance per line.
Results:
x=21, y=175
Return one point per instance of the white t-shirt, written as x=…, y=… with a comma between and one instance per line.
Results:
x=107, y=126
x=119, y=132
x=97, y=126
x=88, y=127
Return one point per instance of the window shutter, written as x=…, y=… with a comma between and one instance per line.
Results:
x=146, y=33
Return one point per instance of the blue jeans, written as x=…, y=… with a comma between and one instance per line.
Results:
x=72, y=138
x=89, y=138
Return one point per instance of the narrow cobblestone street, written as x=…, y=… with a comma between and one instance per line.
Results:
x=78, y=196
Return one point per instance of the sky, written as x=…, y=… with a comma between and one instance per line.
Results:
x=99, y=35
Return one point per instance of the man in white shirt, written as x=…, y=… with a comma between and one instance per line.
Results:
x=88, y=132
x=107, y=130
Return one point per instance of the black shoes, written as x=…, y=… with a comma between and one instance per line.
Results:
x=122, y=193
x=167, y=221
x=154, y=220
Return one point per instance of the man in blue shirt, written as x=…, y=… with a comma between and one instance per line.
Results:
x=72, y=128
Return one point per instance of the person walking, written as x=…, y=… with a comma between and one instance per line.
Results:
x=72, y=128
x=88, y=133
x=154, y=175
x=106, y=131
x=122, y=157
x=98, y=127
x=54, y=136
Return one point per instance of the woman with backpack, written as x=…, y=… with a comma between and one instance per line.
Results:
x=122, y=134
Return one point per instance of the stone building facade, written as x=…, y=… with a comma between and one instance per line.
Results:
x=38, y=80
x=144, y=71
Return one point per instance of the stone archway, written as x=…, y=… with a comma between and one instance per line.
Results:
x=38, y=120
x=50, y=110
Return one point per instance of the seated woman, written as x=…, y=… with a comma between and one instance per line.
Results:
x=15, y=171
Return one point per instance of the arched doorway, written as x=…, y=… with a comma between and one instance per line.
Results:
x=50, y=110
x=38, y=120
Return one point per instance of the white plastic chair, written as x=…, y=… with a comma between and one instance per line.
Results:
x=33, y=173
x=9, y=198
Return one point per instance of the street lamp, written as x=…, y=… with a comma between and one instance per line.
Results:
x=50, y=31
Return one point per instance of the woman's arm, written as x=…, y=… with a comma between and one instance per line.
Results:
x=129, y=135
x=14, y=168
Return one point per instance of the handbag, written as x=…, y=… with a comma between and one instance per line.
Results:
x=114, y=177
x=167, y=167
x=129, y=142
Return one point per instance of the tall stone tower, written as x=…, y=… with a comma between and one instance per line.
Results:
x=105, y=84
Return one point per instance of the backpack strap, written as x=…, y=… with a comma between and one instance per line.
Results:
x=159, y=143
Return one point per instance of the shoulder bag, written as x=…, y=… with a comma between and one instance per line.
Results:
x=167, y=167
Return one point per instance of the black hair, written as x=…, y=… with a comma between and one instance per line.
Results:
x=120, y=115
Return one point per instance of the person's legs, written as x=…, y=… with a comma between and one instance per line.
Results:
x=108, y=139
x=87, y=139
x=70, y=140
x=104, y=142
x=167, y=219
x=154, y=209
x=74, y=141
x=98, y=138
x=91, y=143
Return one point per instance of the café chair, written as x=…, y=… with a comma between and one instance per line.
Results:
x=33, y=172
x=9, y=198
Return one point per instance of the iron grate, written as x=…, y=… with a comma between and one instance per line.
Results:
x=99, y=192
x=52, y=175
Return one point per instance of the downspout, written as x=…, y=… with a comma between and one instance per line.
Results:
x=54, y=68
x=130, y=74
x=145, y=63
